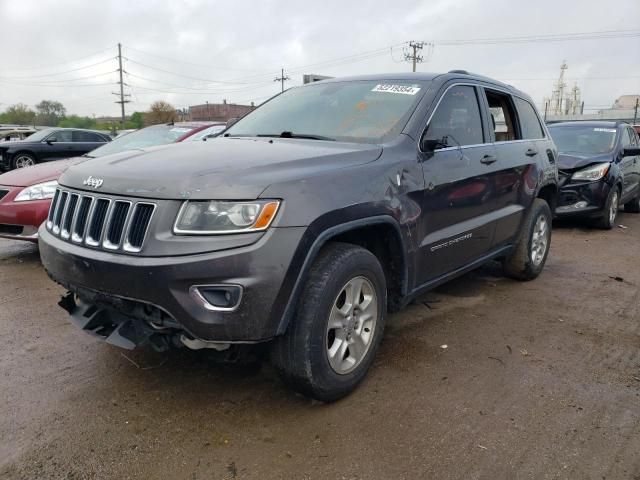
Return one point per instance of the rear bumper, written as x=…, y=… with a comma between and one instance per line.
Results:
x=128, y=283
x=582, y=199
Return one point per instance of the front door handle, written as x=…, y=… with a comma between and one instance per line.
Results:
x=531, y=152
x=488, y=159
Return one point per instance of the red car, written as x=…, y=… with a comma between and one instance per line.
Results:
x=26, y=193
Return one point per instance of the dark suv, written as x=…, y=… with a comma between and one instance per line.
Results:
x=49, y=144
x=307, y=221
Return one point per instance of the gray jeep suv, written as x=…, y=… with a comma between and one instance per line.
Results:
x=306, y=221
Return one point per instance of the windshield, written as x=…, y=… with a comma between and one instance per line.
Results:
x=214, y=129
x=358, y=111
x=583, y=140
x=146, y=137
x=40, y=135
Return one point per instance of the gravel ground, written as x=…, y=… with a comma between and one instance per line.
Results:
x=537, y=380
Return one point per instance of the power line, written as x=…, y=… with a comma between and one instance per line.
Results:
x=541, y=38
x=42, y=67
x=26, y=77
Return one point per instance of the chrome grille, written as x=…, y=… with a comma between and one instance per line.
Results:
x=109, y=223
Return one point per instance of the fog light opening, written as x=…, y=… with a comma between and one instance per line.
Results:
x=224, y=298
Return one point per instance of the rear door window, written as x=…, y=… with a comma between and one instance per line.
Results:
x=503, y=117
x=90, y=137
x=529, y=120
x=457, y=120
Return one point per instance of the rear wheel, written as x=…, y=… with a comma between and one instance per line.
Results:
x=330, y=345
x=608, y=219
x=23, y=160
x=530, y=254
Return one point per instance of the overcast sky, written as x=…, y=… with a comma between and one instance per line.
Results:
x=191, y=51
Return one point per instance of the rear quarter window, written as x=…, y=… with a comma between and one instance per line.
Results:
x=529, y=120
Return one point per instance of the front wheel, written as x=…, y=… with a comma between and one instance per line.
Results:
x=330, y=345
x=23, y=160
x=532, y=248
x=608, y=219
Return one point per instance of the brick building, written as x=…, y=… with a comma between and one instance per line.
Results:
x=218, y=112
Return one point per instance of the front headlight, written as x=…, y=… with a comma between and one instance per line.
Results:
x=212, y=217
x=594, y=172
x=39, y=191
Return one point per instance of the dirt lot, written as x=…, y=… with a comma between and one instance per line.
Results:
x=538, y=380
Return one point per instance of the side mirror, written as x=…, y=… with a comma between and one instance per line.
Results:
x=630, y=151
x=51, y=141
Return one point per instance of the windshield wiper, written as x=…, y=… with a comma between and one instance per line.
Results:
x=288, y=134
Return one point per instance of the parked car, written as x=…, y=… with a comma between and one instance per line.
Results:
x=25, y=194
x=49, y=144
x=15, y=133
x=599, y=168
x=306, y=222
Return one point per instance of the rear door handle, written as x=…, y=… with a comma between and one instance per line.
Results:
x=531, y=152
x=488, y=159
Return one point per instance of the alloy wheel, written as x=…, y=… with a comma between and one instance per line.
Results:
x=613, y=208
x=351, y=325
x=539, y=240
x=24, y=161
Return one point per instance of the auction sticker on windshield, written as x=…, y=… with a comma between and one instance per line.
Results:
x=609, y=130
x=403, y=89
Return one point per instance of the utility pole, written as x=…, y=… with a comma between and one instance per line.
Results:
x=122, y=95
x=281, y=79
x=414, y=57
x=635, y=111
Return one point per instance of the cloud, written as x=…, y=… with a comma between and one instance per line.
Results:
x=184, y=51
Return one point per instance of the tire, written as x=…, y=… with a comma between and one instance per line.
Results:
x=23, y=159
x=633, y=206
x=524, y=263
x=302, y=354
x=608, y=219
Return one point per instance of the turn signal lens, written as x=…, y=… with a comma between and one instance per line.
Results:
x=214, y=217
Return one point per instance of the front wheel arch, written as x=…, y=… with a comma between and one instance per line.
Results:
x=337, y=233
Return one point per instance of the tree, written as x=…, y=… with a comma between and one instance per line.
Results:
x=18, y=114
x=135, y=121
x=75, y=121
x=50, y=113
x=160, y=112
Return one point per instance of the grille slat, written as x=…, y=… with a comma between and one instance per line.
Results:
x=57, y=217
x=96, y=223
x=139, y=225
x=109, y=223
x=65, y=228
x=81, y=221
x=116, y=224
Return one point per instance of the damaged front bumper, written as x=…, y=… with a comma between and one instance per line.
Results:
x=131, y=300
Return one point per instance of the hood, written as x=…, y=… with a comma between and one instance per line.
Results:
x=43, y=172
x=572, y=161
x=220, y=168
